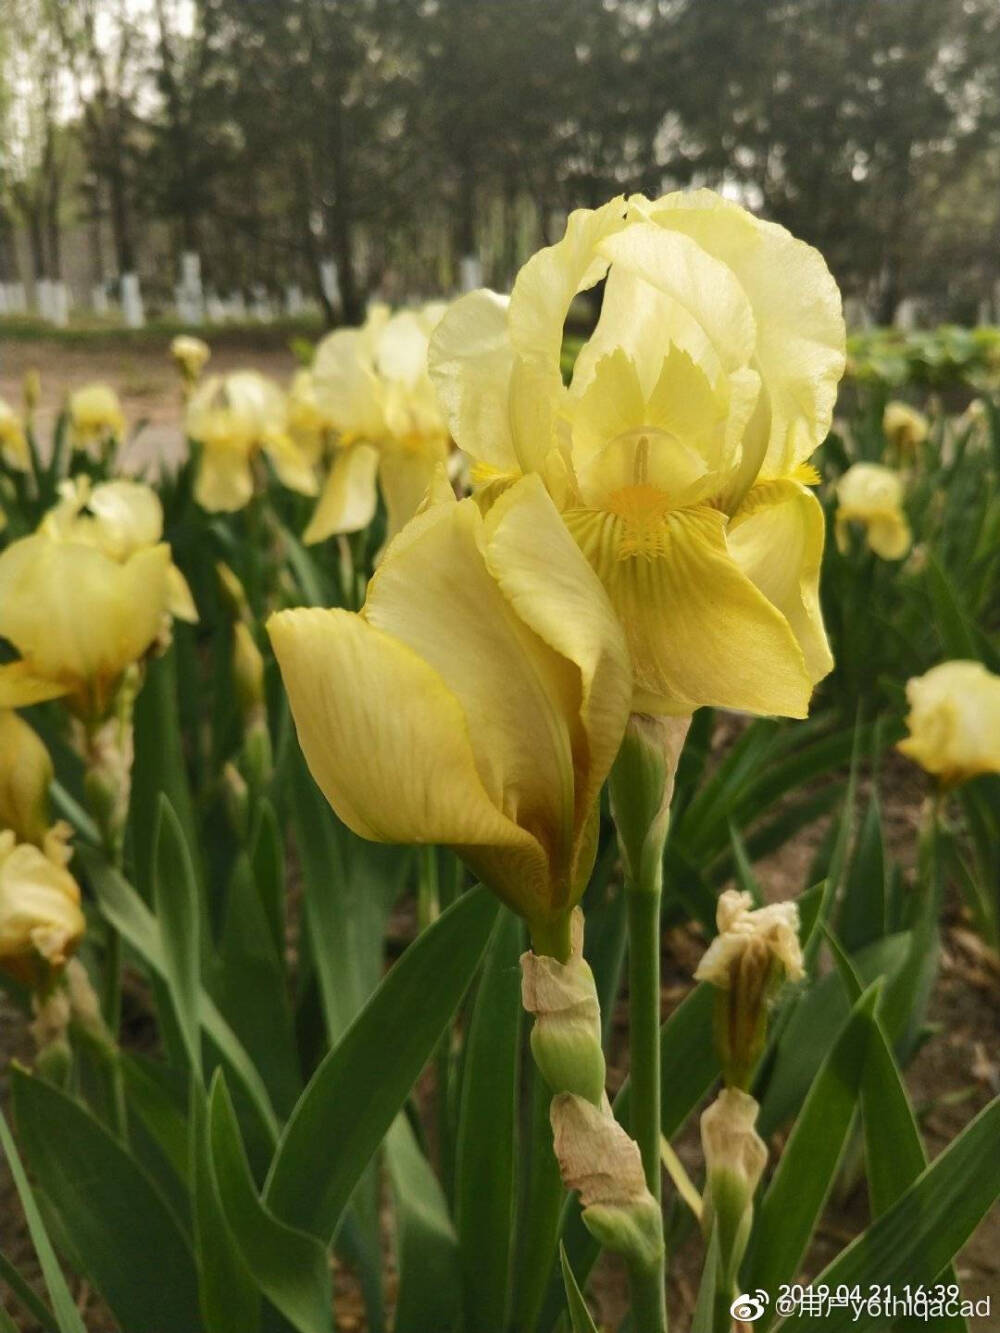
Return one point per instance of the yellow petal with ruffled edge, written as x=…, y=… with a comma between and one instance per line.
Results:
x=550, y=279
x=77, y=616
x=708, y=313
x=404, y=773
x=349, y=497
x=799, y=348
x=404, y=475
x=699, y=631
x=345, y=385
x=954, y=721
x=776, y=537
x=471, y=360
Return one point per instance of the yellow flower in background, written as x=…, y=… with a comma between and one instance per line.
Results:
x=40, y=918
x=904, y=427
x=308, y=424
x=954, y=721
x=119, y=518
x=234, y=419
x=373, y=385
x=872, y=495
x=95, y=418
x=13, y=441
x=25, y=775
x=85, y=596
x=677, y=453
x=190, y=356
x=477, y=700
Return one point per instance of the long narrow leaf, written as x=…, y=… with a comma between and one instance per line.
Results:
x=924, y=1229
x=356, y=1092
x=131, y=1245
x=67, y=1316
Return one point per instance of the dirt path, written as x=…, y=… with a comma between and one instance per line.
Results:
x=143, y=378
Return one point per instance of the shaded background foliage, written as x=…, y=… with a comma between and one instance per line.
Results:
x=397, y=136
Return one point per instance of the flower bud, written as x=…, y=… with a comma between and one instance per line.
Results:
x=753, y=953
x=735, y=1157
x=641, y=786
x=598, y=1159
x=236, y=797
x=25, y=775
x=233, y=592
x=31, y=388
x=566, y=1035
x=248, y=672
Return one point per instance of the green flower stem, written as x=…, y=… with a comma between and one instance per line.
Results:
x=541, y=1213
x=643, y=898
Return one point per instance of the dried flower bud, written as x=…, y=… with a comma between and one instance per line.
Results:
x=735, y=1157
x=753, y=953
x=566, y=1036
x=598, y=1159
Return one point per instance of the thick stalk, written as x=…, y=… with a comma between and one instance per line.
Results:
x=648, y=1288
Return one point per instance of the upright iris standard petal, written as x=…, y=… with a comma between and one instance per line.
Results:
x=673, y=452
x=477, y=700
x=372, y=386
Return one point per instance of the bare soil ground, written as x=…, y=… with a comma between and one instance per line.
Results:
x=143, y=377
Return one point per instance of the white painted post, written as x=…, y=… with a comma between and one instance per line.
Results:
x=132, y=307
x=59, y=304
x=470, y=273
x=330, y=282
x=43, y=298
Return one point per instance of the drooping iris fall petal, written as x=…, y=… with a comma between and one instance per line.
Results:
x=477, y=700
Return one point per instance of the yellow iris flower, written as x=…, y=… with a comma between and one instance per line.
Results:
x=677, y=452
x=87, y=595
x=372, y=384
x=95, y=418
x=904, y=427
x=13, y=441
x=308, y=424
x=189, y=355
x=872, y=495
x=40, y=917
x=954, y=721
x=477, y=700
x=234, y=419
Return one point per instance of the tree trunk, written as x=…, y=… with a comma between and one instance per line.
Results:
x=121, y=222
x=339, y=216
